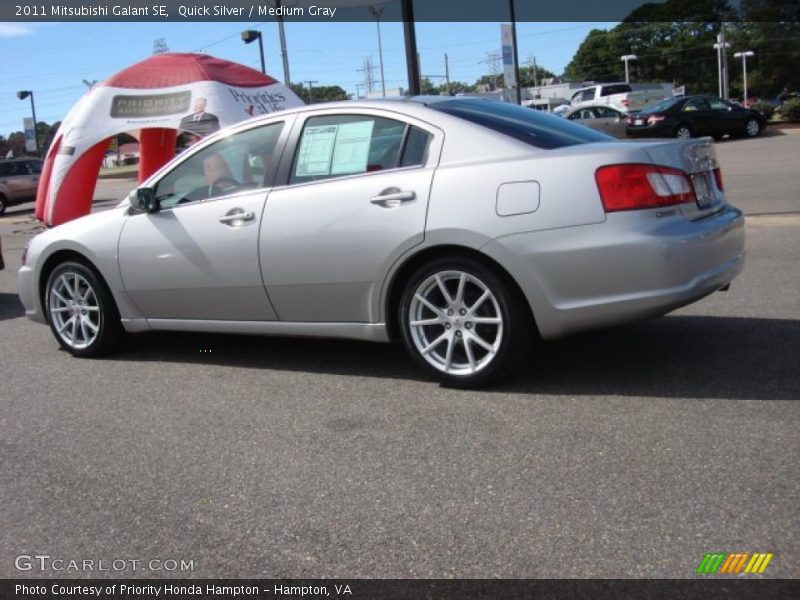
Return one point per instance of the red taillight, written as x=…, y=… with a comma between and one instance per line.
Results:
x=626, y=102
x=718, y=179
x=629, y=120
x=655, y=119
x=636, y=186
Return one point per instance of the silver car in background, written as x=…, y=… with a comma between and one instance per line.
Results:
x=466, y=228
x=603, y=118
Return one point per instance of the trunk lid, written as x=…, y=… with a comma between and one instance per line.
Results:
x=698, y=159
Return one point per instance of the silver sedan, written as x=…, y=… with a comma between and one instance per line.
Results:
x=602, y=118
x=466, y=228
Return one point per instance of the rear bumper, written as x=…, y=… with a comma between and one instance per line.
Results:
x=634, y=266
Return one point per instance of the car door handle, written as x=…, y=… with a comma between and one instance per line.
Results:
x=393, y=197
x=237, y=217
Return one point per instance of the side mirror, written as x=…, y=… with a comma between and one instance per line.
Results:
x=144, y=199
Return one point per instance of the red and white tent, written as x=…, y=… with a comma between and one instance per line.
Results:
x=152, y=100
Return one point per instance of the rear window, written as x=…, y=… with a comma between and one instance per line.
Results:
x=530, y=126
x=619, y=88
x=660, y=106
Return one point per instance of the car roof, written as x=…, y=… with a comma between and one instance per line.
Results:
x=412, y=105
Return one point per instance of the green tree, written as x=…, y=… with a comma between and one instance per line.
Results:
x=316, y=94
x=673, y=42
x=772, y=31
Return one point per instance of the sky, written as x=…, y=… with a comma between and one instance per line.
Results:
x=53, y=59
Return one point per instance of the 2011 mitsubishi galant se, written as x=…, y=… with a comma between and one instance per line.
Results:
x=467, y=228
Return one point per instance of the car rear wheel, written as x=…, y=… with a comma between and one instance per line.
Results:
x=463, y=324
x=752, y=128
x=81, y=311
x=683, y=132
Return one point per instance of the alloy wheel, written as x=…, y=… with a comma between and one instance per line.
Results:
x=74, y=310
x=455, y=322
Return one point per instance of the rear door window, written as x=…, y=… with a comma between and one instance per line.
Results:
x=695, y=104
x=342, y=145
x=603, y=112
x=718, y=104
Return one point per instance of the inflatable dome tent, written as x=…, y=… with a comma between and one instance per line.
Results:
x=153, y=101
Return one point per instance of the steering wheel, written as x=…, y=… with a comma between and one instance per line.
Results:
x=225, y=185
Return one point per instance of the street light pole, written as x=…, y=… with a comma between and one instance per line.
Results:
x=377, y=12
x=252, y=35
x=284, y=54
x=627, y=58
x=720, y=46
x=743, y=56
x=25, y=94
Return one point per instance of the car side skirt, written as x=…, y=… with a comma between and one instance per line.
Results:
x=371, y=332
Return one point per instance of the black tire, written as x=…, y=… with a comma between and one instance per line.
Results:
x=3, y=204
x=683, y=131
x=752, y=128
x=94, y=308
x=460, y=361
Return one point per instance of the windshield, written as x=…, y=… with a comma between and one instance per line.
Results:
x=530, y=126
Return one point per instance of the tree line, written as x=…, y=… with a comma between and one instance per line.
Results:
x=674, y=42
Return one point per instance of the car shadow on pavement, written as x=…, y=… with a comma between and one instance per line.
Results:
x=670, y=357
x=10, y=307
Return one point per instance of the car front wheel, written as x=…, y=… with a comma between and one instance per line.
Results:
x=81, y=311
x=463, y=324
x=752, y=128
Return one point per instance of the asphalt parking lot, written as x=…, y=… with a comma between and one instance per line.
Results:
x=629, y=452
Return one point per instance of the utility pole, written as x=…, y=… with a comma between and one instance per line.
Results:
x=447, y=73
x=513, y=16
x=493, y=61
x=369, y=80
x=160, y=46
x=531, y=62
x=310, y=88
x=377, y=12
